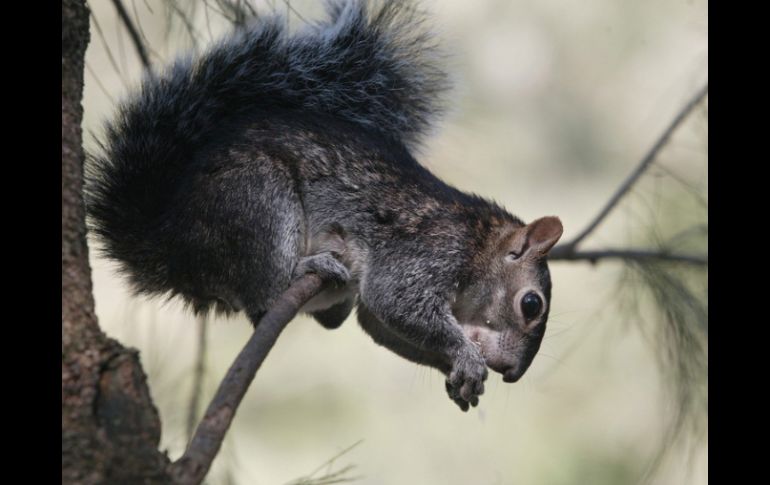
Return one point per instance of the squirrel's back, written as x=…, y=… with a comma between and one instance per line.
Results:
x=371, y=67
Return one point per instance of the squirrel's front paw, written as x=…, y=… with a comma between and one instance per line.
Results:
x=326, y=265
x=466, y=380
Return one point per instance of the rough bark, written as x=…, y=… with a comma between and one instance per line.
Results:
x=110, y=428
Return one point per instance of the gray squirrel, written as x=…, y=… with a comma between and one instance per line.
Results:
x=274, y=154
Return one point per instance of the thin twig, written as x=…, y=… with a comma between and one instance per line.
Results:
x=192, y=467
x=681, y=236
x=689, y=186
x=565, y=253
x=185, y=21
x=208, y=20
x=121, y=50
x=339, y=476
x=138, y=23
x=218, y=10
x=99, y=83
x=641, y=167
x=138, y=44
x=107, y=47
x=252, y=11
x=150, y=51
x=292, y=9
x=198, y=375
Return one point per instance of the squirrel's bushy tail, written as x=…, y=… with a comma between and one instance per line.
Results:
x=373, y=66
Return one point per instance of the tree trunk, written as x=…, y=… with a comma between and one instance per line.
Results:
x=110, y=427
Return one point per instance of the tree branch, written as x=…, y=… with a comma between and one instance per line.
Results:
x=192, y=467
x=138, y=44
x=565, y=253
x=110, y=427
x=200, y=369
x=640, y=169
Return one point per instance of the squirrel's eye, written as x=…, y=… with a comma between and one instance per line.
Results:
x=512, y=255
x=531, y=305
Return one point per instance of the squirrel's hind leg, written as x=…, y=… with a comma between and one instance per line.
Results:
x=244, y=227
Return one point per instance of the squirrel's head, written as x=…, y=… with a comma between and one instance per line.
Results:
x=504, y=307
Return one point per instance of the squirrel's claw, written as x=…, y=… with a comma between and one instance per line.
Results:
x=466, y=380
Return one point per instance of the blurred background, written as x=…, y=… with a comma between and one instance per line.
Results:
x=555, y=102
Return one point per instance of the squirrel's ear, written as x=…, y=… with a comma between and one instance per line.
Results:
x=543, y=233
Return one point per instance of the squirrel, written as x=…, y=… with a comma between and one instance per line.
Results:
x=273, y=154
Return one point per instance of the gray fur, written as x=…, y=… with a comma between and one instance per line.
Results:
x=274, y=155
